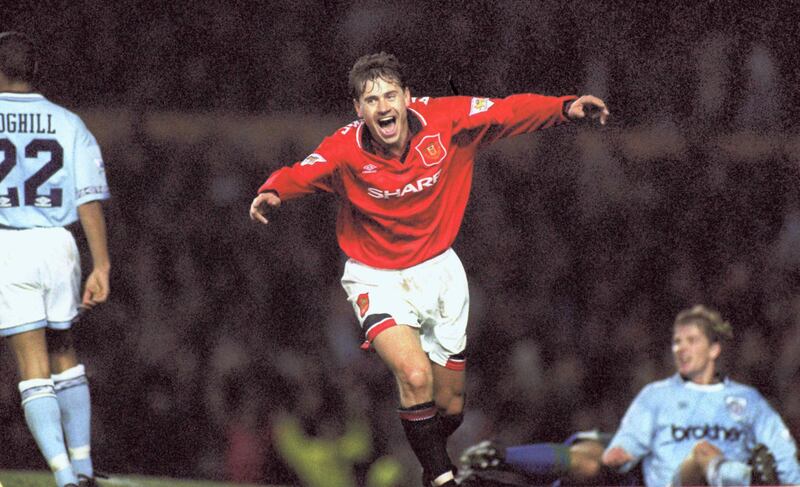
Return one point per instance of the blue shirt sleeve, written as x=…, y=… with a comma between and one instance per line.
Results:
x=90, y=173
x=769, y=429
x=636, y=429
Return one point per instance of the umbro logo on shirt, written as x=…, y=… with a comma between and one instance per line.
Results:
x=369, y=169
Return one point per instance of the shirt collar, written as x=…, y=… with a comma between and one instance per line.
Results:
x=721, y=382
x=13, y=95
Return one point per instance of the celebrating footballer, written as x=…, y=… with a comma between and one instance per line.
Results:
x=402, y=173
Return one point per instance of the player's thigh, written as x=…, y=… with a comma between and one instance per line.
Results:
x=63, y=281
x=378, y=300
x=30, y=352
x=444, y=335
x=21, y=287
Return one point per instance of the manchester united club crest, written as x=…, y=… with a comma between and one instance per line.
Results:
x=431, y=150
x=363, y=303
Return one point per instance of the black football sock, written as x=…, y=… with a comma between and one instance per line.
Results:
x=450, y=423
x=423, y=428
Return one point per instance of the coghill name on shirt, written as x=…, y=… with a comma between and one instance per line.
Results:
x=26, y=123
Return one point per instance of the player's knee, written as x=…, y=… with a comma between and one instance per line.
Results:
x=703, y=452
x=690, y=471
x=585, y=469
x=415, y=378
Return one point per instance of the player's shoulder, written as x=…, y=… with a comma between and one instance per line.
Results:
x=658, y=390
x=434, y=104
x=742, y=389
x=454, y=108
x=664, y=384
x=345, y=136
x=66, y=114
x=340, y=142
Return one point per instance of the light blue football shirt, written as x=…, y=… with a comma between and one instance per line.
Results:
x=670, y=416
x=49, y=163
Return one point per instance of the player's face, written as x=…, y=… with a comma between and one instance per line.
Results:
x=694, y=353
x=383, y=106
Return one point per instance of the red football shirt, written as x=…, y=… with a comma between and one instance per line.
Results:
x=394, y=214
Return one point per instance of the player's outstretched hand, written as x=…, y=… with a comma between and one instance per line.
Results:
x=616, y=457
x=261, y=204
x=588, y=107
x=96, y=289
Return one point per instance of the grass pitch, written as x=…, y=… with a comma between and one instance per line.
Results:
x=16, y=478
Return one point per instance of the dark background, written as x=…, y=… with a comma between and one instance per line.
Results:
x=581, y=243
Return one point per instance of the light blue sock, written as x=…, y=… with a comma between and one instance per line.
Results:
x=44, y=420
x=72, y=389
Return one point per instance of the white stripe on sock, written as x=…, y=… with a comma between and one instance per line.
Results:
x=59, y=462
x=37, y=396
x=443, y=478
x=79, y=453
x=36, y=388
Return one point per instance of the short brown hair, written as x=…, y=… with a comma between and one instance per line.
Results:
x=708, y=320
x=371, y=67
x=18, y=57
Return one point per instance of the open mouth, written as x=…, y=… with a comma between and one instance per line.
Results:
x=388, y=126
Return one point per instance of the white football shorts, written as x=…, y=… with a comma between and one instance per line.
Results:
x=40, y=278
x=432, y=296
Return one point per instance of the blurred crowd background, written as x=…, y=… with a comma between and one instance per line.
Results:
x=581, y=243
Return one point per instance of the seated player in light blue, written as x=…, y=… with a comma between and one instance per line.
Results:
x=699, y=427
x=51, y=175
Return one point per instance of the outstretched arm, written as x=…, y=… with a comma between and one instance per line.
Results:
x=93, y=222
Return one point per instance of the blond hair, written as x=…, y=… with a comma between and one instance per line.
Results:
x=708, y=320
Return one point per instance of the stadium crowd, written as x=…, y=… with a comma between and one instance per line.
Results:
x=579, y=254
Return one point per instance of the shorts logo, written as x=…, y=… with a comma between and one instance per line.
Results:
x=479, y=105
x=736, y=407
x=312, y=159
x=431, y=149
x=369, y=169
x=363, y=303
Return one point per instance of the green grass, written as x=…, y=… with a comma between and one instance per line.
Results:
x=16, y=478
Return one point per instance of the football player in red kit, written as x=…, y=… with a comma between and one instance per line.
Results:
x=403, y=173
